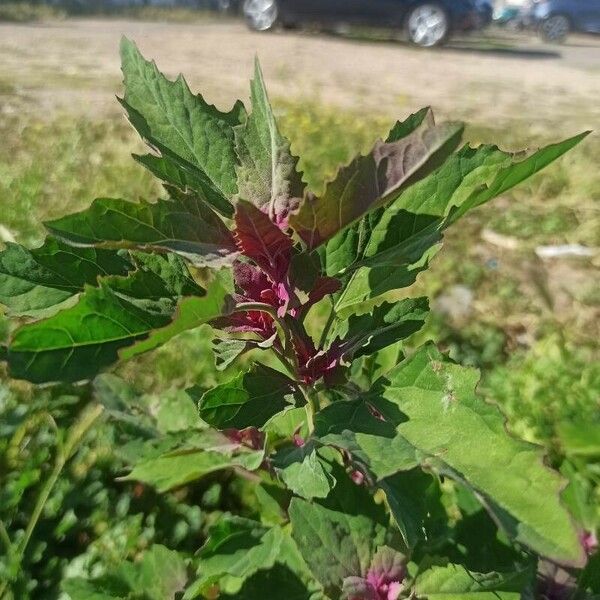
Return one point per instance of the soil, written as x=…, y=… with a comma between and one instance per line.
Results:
x=74, y=66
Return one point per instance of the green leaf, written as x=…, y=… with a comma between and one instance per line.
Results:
x=454, y=582
x=413, y=496
x=461, y=436
x=361, y=335
x=179, y=468
x=79, y=342
x=374, y=180
x=120, y=319
x=267, y=174
x=184, y=225
x=353, y=426
x=280, y=581
x=160, y=575
x=388, y=248
x=248, y=400
x=193, y=135
x=304, y=472
x=190, y=313
x=338, y=536
x=34, y=281
x=241, y=548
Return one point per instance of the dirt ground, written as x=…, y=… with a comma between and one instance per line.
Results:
x=74, y=66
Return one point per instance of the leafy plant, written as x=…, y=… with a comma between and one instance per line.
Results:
x=376, y=476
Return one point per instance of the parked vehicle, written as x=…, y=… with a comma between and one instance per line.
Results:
x=426, y=22
x=555, y=19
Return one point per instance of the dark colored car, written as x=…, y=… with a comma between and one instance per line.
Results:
x=426, y=22
x=557, y=18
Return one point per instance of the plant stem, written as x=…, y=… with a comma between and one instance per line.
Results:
x=5, y=537
x=63, y=453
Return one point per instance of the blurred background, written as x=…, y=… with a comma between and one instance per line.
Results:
x=516, y=289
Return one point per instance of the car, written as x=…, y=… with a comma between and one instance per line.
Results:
x=426, y=22
x=555, y=19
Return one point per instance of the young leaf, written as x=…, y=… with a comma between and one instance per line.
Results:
x=361, y=335
x=193, y=135
x=249, y=400
x=304, y=472
x=261, y=240
x=267, y=174
x=184, y=225
x=34, y=281
x=461, y=436
x=388, y=248
x=338, y=536
x=372, y=180
x=454, y=582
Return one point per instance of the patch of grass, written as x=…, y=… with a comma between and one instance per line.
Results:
x=26, y=12
x=48, y=169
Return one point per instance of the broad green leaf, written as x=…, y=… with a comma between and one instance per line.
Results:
x=454, y=582
x=267, y=174
x=280, y=582
x=463, y=437
x=360, y=335
x=354, y=426
x=160, y=575
x=80, y=341
x=179, y=468
x=193, y=135
x=185, y=225
x=120, y=319
x=387, y=248
x=412, y=497
x=226, y=351
x=248, y=400
x=304, y=472
x=190, y=313
x=373, y=180
x=34, y=281
x=240, y=548
x=338, y=536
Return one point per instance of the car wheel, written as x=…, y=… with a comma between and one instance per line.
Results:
x=555, y=28
x=427, y=25
x=261, y=15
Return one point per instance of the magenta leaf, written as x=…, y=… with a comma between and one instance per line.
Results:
x=261, y=240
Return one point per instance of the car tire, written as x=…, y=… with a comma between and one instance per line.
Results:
x=555, y=29
x=427, y=25
x=261, y=15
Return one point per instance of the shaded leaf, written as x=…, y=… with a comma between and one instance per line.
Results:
x=33, y=281
x=361, y=335
x=248, y=400
x=120, y=319
x=160, y=575
x=241, y=548
x=338, y=536
x=184, y=225
x=304, y=472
